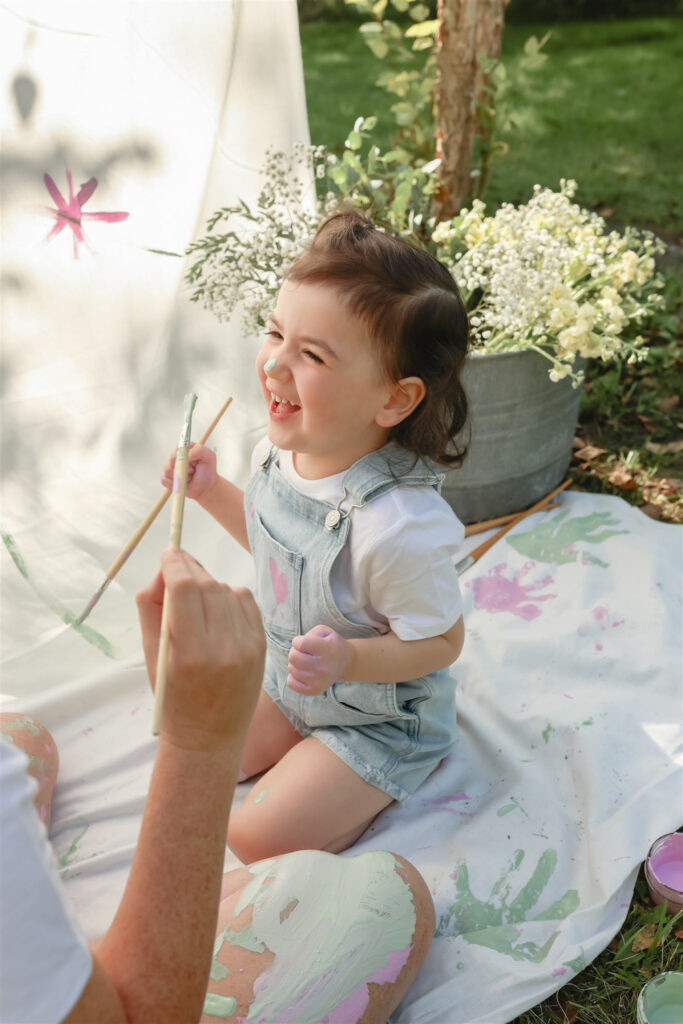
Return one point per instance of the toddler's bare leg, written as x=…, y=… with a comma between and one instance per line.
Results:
x=315, y=933
x=33, y=738
x=269, y=737
x=310, y=800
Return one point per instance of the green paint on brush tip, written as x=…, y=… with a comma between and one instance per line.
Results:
x=53, y=603
x=219, y=1006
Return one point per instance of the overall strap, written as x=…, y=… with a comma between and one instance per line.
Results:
x=383, y=470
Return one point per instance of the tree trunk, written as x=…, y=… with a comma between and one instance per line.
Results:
x=469, y=28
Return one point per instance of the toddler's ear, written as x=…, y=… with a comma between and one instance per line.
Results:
x=406, y=395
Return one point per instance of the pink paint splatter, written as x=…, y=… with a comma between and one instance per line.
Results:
x=69, y=213
x=597, y=621
x=559, y=971
x=279, y=581
x=498, y=593
x=441, y=801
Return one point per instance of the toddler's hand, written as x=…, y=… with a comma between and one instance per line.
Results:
x=317, y=660
x=201, y=471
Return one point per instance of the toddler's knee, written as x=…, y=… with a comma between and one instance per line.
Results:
x=250, y=840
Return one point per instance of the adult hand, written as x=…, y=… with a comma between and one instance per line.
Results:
x=201, y=470
x=317, y=660
x=216, y=653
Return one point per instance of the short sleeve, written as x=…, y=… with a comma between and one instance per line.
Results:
x=412, y=577
x=44, y=958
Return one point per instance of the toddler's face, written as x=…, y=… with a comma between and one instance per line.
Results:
x=326, y=388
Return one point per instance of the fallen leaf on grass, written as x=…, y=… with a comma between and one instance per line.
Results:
x=647, y=423
x=679, y=932
x=570, y=1013
x=589, y=451
x=670, y=448
x=670, y=403
x=622, y=478
x=644, y=938
x=653, y=511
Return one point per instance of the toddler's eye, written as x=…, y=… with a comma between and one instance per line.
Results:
x=312, y=355
x=272, y=333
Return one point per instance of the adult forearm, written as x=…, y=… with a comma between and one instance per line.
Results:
x=225, y=502
x=158, y=949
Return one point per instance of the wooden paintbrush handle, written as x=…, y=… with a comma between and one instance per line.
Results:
x=478, y=552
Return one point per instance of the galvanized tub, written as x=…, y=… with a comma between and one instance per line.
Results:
x=522, y=427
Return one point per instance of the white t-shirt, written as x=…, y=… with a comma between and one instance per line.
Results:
x=44, y=957
x=397, y=569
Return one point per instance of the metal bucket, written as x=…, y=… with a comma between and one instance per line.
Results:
x=522, y=427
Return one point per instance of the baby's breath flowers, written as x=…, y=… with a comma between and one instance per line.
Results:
x=548, y=276
x=243, y=257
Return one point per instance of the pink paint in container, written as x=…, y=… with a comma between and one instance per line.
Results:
x=664, y=871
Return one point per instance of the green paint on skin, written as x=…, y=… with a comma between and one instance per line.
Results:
x=330, y=923
x=53, y=603
x=244, y=938
x=554, y=539
x=494, y=923
x=219, y=1006
x=260, y=796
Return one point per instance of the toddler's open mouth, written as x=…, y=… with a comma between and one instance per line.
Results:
x=281, y=406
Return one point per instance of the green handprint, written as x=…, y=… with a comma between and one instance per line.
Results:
x=493, y=923
x=554, y=540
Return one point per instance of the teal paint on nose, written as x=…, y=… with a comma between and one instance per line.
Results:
x=270, y=365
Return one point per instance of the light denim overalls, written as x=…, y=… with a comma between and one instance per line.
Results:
x=391, y=734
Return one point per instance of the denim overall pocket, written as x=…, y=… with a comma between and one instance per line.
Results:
x=278, y=575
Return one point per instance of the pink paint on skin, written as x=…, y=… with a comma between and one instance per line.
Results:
x=353, y=1008
x=497, y=593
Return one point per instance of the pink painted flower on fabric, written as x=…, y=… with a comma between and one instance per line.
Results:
x=70, y=213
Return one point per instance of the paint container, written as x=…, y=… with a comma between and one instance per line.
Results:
x=661, y=999
x=664, y=871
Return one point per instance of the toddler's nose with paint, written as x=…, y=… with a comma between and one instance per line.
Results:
x=270, y=365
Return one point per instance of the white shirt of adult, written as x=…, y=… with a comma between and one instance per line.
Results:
x=44, y=957
x=397, y=569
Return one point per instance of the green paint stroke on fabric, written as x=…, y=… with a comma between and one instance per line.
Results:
x=546, y=732
x=332, y=924
x=68, y=857
x=494, y=922
x=514, y=805
x=555, y=539
x=219, y=1006
x=53, y=603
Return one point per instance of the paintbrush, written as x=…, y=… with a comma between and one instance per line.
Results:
x=468, y=561
x=179, y=487
x=142, y=529
x=490, y=524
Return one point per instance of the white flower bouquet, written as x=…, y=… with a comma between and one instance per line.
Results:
x=548, y=276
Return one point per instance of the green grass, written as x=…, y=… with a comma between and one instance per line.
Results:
x=602, y=110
